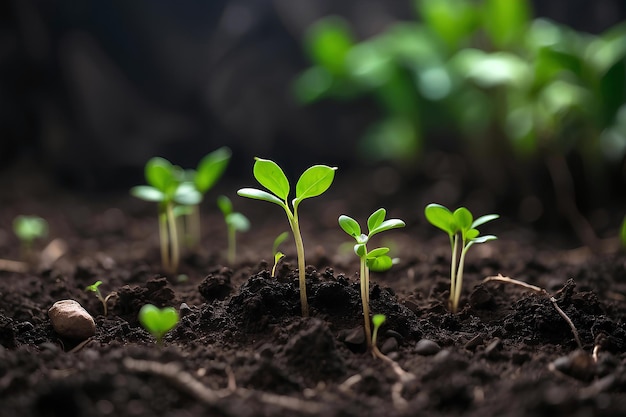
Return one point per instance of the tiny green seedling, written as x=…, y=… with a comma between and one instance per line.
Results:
x=235, y=222
x=28, y=229
x=377, y=321
x=104, y=300
x=622, y=233
x=313, y=182
x=375, y=260
x=461, y=228
x=278, y=255
x=166, y=186
x=158, y=321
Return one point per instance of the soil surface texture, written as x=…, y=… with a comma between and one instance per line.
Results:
x=241, y=347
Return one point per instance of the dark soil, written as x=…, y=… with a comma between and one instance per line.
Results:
x=242, y=349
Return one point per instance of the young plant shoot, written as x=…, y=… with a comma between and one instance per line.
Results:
x=104, y=300
x=167, y=188
x=377, y=321
x=278, y=255
x=158, y=321
x=235, y=222
x=374, y=260
x=461, y=228
x=28, y=229
x=313, y=182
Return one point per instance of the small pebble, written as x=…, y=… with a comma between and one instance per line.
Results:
x=427, y=347
x=71, y=320
x=390, y=345
x=184, y=309
x=394, y=334
x=355, y=336
x=578, y=364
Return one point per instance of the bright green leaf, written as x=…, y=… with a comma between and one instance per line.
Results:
x=380, y=263
x=484, y=219
x=211, y=168
x=238, y=221
x=350, y=226
x=483, y=239
x=374, y=253
x=463, y=219
x=225, y=205
x=328, y=42
x=186, y=194
x=158, y=321
x=378, y=320
x=160, y=174
x=387, y=225
x=314, y=181
x=279, y=239
x=360, y=250
x=471, y=234
x=272, y=177
x=147, y=193
x=29, y=228
x=440, y=217
x=376, y=219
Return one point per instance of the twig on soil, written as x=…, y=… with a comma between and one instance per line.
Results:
x=404, y=378
x=542, y=291
x=13, y=266
x=184, y=380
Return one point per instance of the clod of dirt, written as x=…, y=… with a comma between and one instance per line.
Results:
x=71, y=320
x=216, y=287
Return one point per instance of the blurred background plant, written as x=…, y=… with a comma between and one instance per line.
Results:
x=509, y=90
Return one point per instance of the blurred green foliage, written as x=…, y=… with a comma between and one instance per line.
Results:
x=482, y=70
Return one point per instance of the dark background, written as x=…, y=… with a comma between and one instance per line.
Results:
x=91, y=89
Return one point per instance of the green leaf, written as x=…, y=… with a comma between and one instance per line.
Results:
x=374, y=253
x=238, y=221
x=260, y=195
x=211, y=168
x=484, y=219
x=279, y=239
x=93, y=287
x=350, y=226
x=328, y=41
x=483, y=239
x=463, y=219
x=187, y=195
x=506, y=21
x=376, y=219
x=225, y=205
x=160, y=174
x=471, y=234
x=379, y=264
x=440, y=217
x=158, y=321
x=147, y=193
x=29, y=228
x=314, y=181
x=278, y=256
x=272, y=177
x=378, y=320
x=387, y=225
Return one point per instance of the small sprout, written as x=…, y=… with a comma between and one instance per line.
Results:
x=158, y=321
x=622, y=233
x=278, y=255
x=235, y=222
x=104, y=300
x=377, y=321
x=167, y=188
x=461, y=228
x=28, y=229
x=313, y=182
x=375, y=260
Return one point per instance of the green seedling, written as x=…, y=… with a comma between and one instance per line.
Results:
x=158, y=321
x=622, y=233
x=278, y=255
x=313, y=182
x=235, y=222
x=461, y=228
x=166, y=186
x=210, y=169
x=375, y=260
x=28, y=229
x=377, y=321
x=104, y=300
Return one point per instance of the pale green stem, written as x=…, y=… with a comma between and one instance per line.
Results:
x=364, y=275
x=232, y=248
x=164, y=241
x=459, y=281
x=453, y=281
x=171, y=221
x=192, y=223
x=297, y=237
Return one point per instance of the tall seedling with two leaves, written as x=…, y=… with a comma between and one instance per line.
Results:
x=374, y=260
x=313, y=182
x=461, y=228
x=166, y=186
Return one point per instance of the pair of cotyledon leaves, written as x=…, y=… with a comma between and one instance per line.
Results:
x=158, y=321
x=376, y=259
x=170, y=183
x=460, y=221
x=313, y=182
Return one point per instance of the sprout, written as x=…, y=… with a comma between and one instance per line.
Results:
x=235, y=222
x=461, y=228
x=278, y=255
x=375, y=260
x=158, y=321
x=28, y=229
x=313, y=182
x=104, y=300
x=377, y=321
